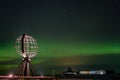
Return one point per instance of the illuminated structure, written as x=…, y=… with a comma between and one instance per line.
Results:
x=99, y=72
x=27, y=47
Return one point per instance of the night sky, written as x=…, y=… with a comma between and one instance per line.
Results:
x=82, y=34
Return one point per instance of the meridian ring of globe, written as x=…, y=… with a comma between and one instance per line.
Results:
x=30, y=46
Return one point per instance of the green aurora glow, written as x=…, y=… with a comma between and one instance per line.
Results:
x=64, y=54
x=61, y=49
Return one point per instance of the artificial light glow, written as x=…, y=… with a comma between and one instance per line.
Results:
x=10, y=75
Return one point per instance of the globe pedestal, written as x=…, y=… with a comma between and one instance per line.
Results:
x=25, y=68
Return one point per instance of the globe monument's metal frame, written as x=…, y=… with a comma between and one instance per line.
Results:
x=27, y=47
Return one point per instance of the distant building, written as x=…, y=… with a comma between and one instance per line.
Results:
x=89, y=75
x=69, y=72
x=101, y=72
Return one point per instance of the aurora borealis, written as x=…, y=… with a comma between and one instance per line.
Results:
x=82, y=34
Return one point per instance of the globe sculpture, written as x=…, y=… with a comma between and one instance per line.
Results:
x=27, y=47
